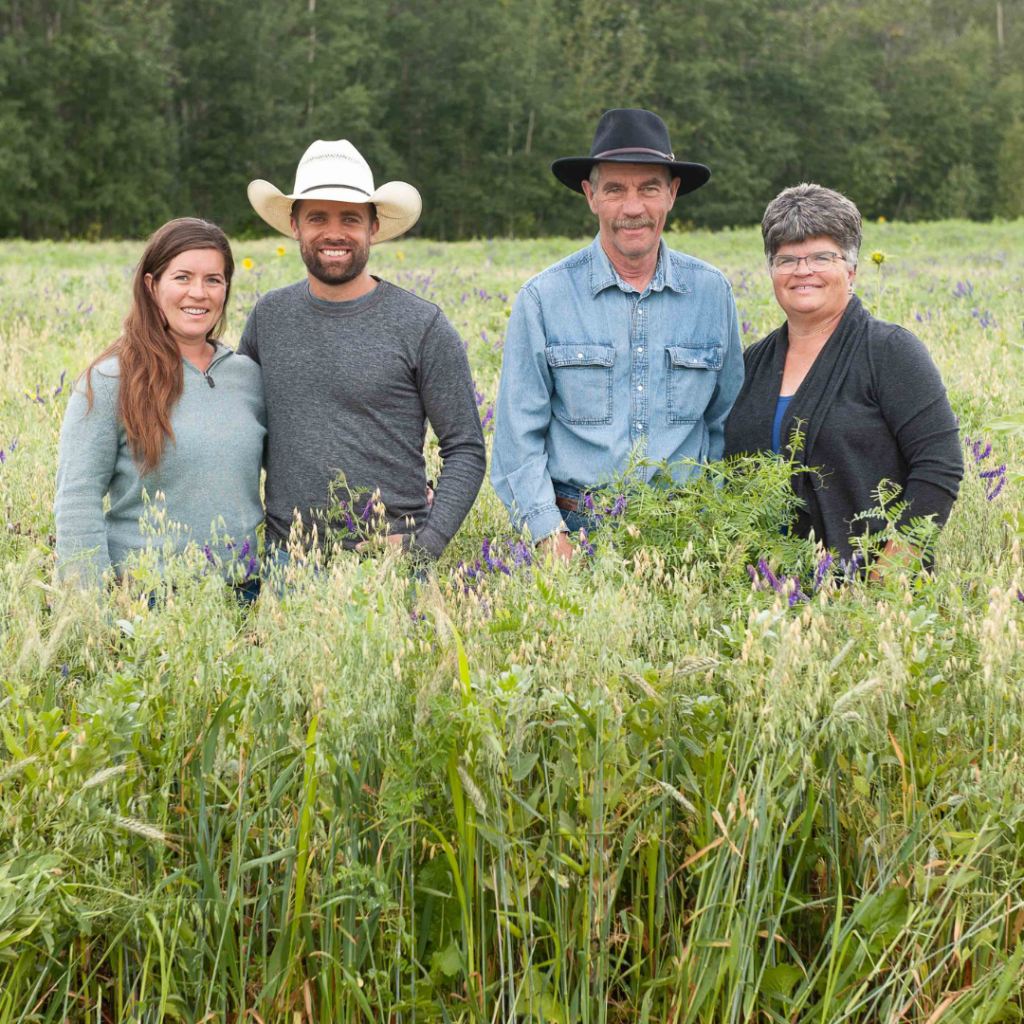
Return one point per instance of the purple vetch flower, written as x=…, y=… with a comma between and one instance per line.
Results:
x=64, y=670
x=994, y=493
x=464, y=297
x=754, y=578
x=796, y=594
x=588, y=502
x=485, y=548
x=244, y=553
x=821, y=571
x=619, y=507
x=585, y=546
x=520, y=554
x=480, y=396
x=988, y=474
x=60, y=386
x=849, y=569
x=209, y=554
x=250, y=568
x=487, y=423
x=747, y=326
x=12, y=445
x=349, y=521
x=766, y=572
x=367, y=509
x=1020, y=596
x=3, y=458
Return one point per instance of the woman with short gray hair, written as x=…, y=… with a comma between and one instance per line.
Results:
x=865, y=393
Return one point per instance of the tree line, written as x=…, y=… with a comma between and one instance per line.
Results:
x=118, y=114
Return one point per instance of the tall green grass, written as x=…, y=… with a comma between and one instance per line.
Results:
x=634, y=788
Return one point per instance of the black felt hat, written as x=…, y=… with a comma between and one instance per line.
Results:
x=628, y=136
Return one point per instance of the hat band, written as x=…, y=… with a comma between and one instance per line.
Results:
x=351, y=188
x=633, y=149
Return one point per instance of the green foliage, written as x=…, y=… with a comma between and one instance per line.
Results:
x=636, y=788
x=116, y=115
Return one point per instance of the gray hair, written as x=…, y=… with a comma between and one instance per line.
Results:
x=808, y=210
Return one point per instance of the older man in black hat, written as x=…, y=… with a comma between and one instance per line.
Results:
x=626, y=350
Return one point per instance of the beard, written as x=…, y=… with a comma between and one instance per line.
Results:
x=333, y=273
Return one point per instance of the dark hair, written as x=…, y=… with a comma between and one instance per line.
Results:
x=151, y=376
x=296, y=206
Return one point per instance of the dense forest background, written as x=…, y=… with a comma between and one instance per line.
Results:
x=118, y=114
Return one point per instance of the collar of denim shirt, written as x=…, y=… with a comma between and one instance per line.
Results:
x=604, y=275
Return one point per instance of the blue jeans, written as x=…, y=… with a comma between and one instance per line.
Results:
x=575, y=521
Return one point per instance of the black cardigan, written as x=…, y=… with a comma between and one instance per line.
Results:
x=872, y=407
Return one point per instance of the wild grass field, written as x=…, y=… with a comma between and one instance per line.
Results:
x=653, y=785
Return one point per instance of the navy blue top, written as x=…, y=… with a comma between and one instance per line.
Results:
x=780, y=414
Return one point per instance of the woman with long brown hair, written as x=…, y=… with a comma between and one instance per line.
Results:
x=166, y=412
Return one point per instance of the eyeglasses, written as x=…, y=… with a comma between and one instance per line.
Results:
x=815, y=261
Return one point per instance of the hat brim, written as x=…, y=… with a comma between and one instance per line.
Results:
x=572, y=171
x=398, y=205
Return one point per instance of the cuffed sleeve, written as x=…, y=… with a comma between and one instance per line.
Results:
x=519, y=461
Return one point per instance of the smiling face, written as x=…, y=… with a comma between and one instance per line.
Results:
x=190, y=293
x=818, y=294
x=334, y=238
x=632, y=202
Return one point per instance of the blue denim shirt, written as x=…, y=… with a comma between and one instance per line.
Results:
x=595, y=371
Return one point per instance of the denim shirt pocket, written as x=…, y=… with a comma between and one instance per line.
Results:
x=692, y=376
x=583, y=383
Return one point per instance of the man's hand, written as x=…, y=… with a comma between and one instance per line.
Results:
x=898, y=554
x=393, y=539
x=557, y=544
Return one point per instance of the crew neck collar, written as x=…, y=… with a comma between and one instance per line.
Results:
x=346, y=307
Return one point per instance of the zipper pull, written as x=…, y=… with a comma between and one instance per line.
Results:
x=209, y=380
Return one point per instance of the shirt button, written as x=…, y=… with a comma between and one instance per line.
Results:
x=639, y=426
x=639, y=387
x=579, y=355
x=640, y=349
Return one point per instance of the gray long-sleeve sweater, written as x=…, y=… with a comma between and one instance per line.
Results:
x=350, y=387
x=211, y=471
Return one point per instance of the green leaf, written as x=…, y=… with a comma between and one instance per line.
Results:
x=885, y=913
x=448, y=960
x=782, y=979
x=522, y=765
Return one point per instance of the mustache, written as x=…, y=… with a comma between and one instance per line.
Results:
x=631, y=223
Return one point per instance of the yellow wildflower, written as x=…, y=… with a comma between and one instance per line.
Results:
x=878, y=258
x=400, y=255
x=881, y=220
x=280, y=250
x=247, y=263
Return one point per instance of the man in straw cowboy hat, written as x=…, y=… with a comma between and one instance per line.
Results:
x=354, y=366
x=625, y=349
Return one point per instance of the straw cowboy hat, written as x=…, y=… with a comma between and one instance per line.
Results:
x=337, y=171
x=630, y=136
